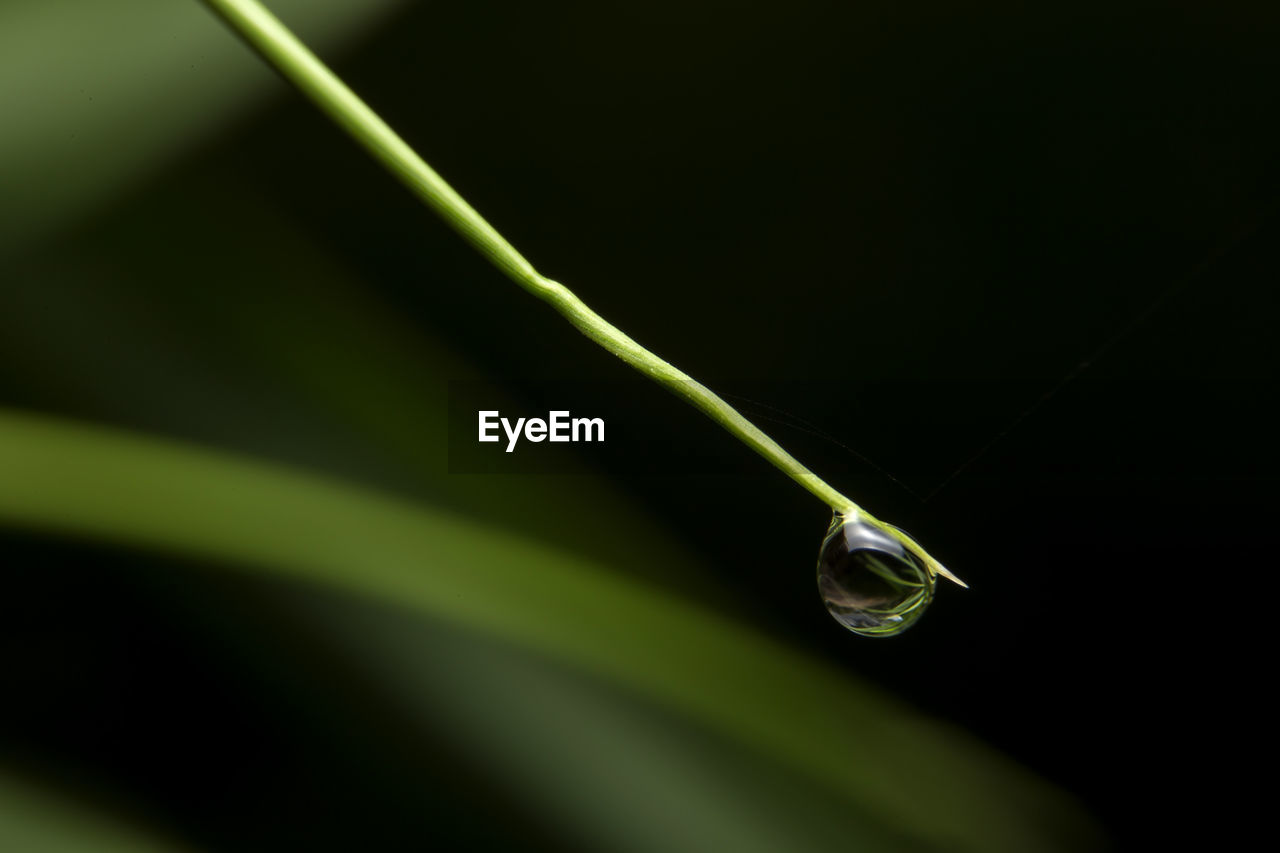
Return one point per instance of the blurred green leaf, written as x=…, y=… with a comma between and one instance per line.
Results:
x=610, y=772
x=928, y=782
x=36, y=820
x=96, y=95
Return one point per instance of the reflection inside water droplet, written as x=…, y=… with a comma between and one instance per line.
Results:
x=869, y=581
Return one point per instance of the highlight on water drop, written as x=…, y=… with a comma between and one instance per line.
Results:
x=870, y=582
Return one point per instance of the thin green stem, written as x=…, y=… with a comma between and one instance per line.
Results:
x=267, y=35
x=282, y=49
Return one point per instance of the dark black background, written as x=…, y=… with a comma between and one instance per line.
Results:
x=1049, y=231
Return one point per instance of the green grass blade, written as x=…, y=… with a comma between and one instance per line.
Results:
x=925, y=780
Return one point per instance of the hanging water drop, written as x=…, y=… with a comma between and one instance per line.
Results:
x=870, y=582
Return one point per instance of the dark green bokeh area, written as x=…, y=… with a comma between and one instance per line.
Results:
x=1020, y=260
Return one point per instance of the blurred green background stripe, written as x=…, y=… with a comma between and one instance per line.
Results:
x=925, y=779
x=96, y=96
x=38, y=820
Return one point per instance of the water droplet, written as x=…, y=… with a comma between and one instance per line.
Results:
x=869, y=581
